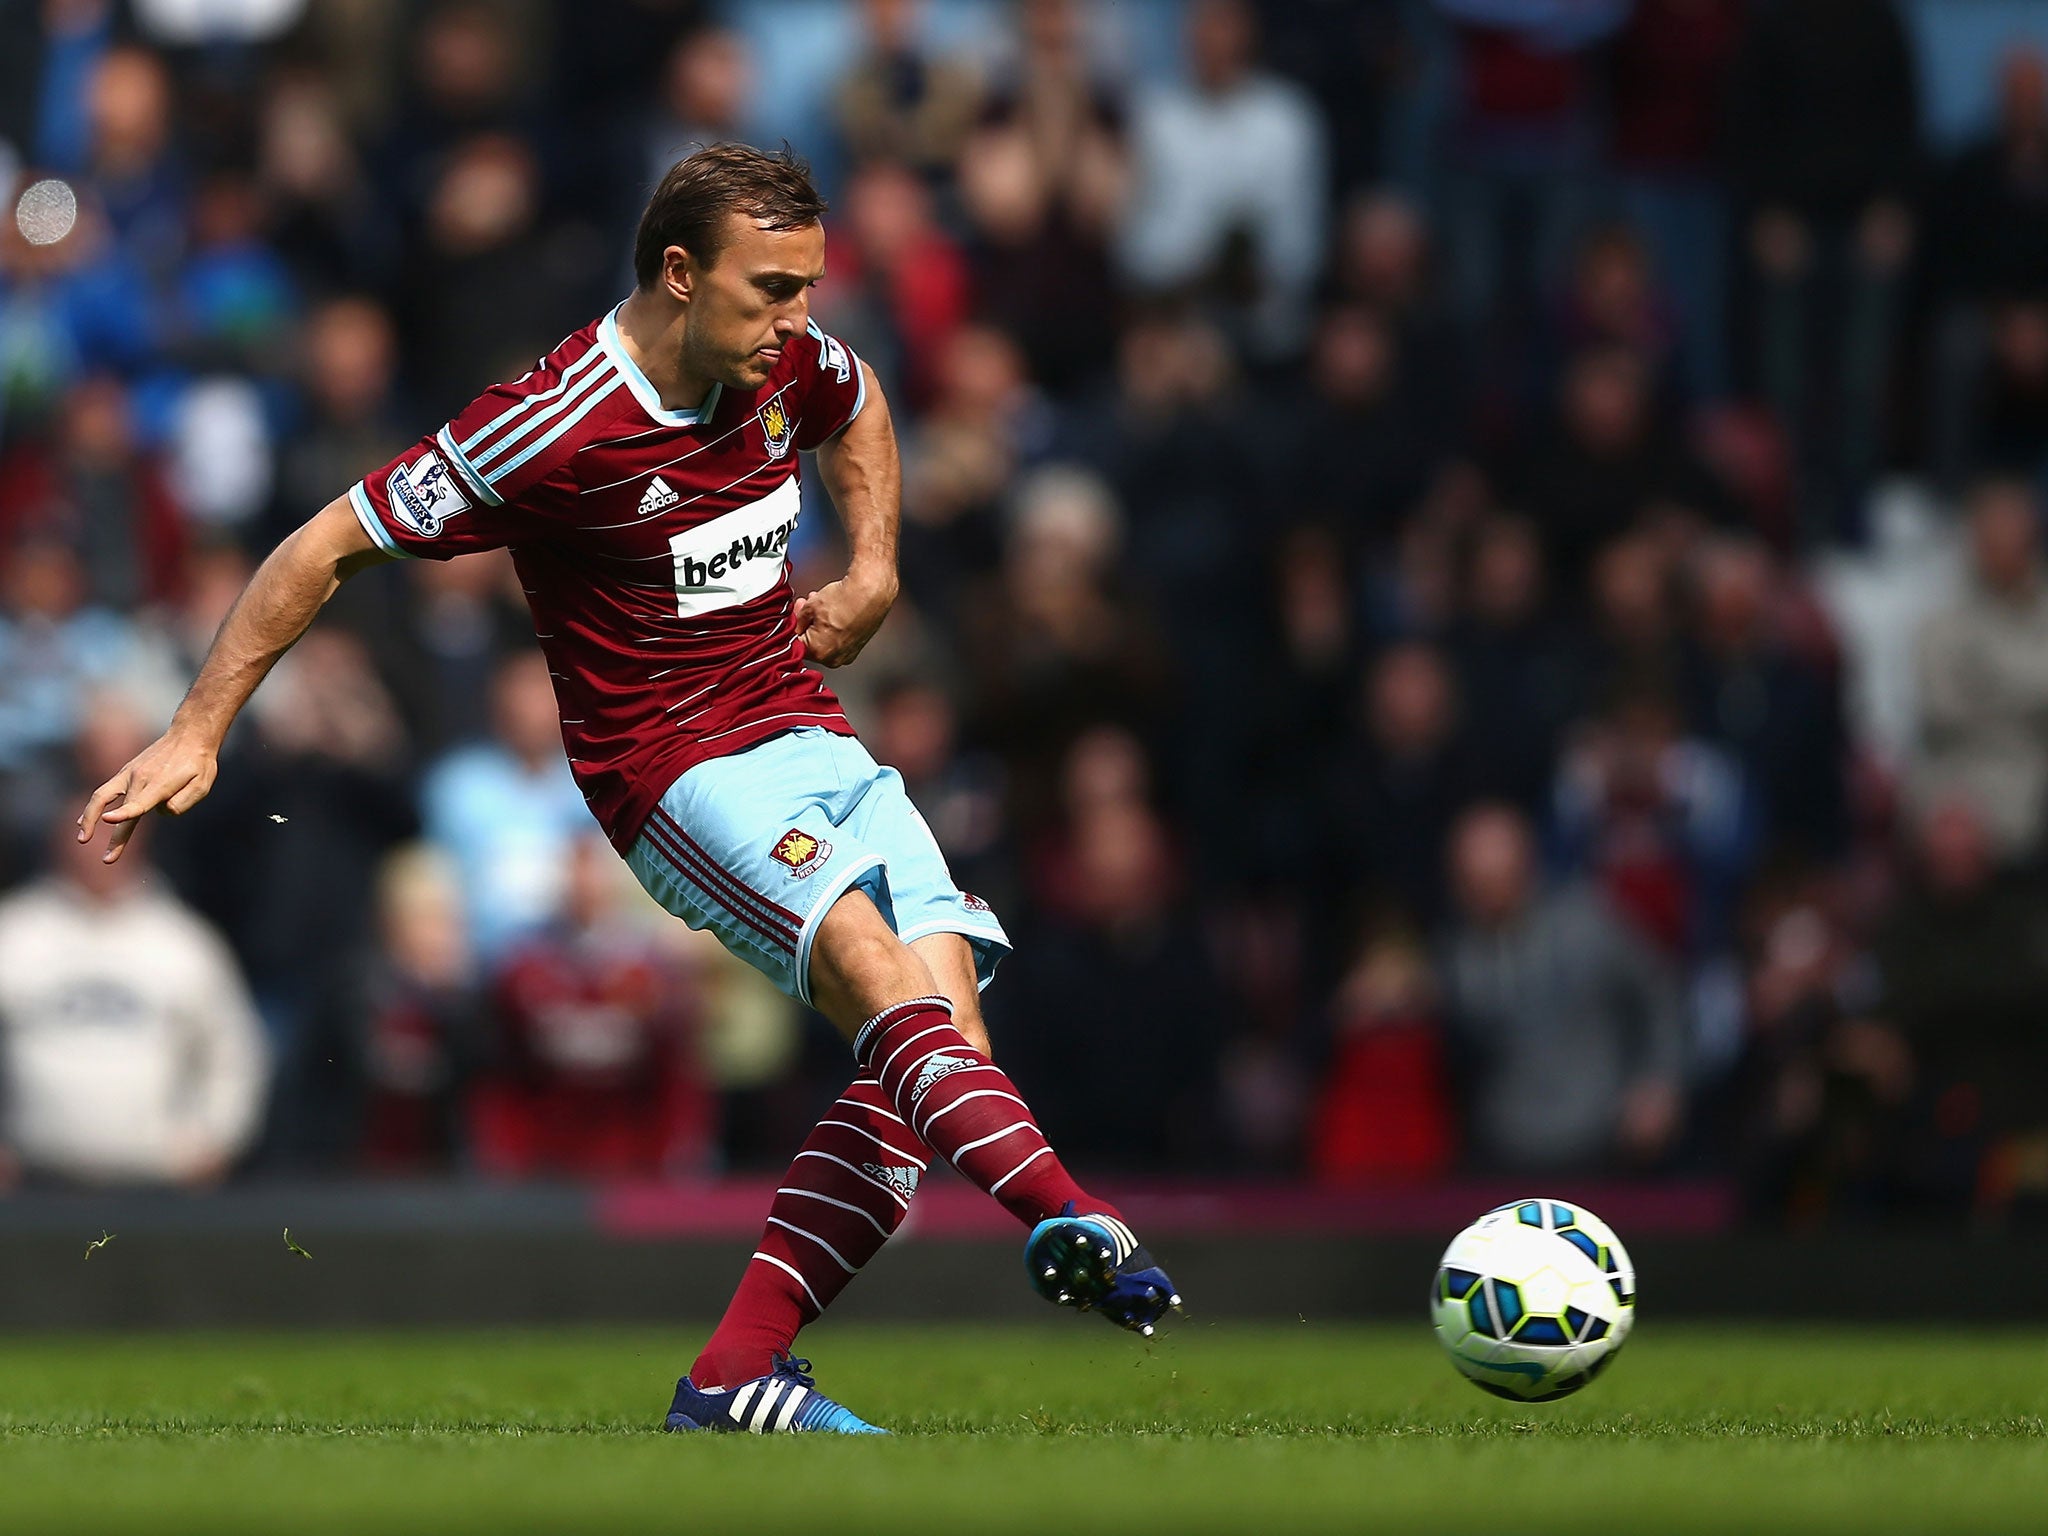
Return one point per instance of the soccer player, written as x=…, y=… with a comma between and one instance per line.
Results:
x=644, y=475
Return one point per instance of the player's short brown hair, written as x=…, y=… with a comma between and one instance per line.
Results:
x=690, y=206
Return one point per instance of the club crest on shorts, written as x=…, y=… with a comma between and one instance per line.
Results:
x=802, y=852
x=776, y=427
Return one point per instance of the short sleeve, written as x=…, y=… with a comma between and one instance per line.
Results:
x=478, y=483
x=832, y=387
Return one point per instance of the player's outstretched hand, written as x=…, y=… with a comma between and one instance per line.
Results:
x=837, y=620
x=172, y=774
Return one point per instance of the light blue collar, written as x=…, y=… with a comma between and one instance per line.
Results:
x=648, y=396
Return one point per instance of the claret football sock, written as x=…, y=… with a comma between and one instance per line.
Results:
x=965, y=1108
x=847, y=1190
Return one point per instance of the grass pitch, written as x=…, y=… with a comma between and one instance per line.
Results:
x=1061, y=1429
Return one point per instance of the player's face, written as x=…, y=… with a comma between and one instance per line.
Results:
x=751, y=301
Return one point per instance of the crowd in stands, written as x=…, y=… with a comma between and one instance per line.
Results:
x=1473, y=584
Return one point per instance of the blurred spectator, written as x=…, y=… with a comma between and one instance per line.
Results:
x=91, y=485
x=1387, y=260
x=1120, y=958
x=1362, y=444
x=1668, y=93
x=1982, y=663
x=898, y=101
x=1523, y=146
x=55, y=650
x=981, y=428
x=1773, y=703
x=235, y=295
x=349, y=362
x=1634, y=628
x=1992, y=208
x=1301, y=713
x=129, y=1050
x=704, y=98
x=1994, y=194
x=1822, y=1087
x=468, y=66
x=605, y=72
x=1230, y=193
x=1662, y=823
x=597, y=1073
x=283, y=854
x=1384, y=1113
x=68, y=308
x=1877, y=600
x=507, y=812
x=2009, y=430
x=48, y=52
x=222, y=456
x=1613, y=299
x=401, y=1037
x=1061, y=647
x=1608, y=462
x=441, y=636
x=1963, y=964
x=327, y=219
x=1824, y=146
x=1521, y=672
x=487, y=289
x=134, y=167
x=959, y=793
x=1572, y=1031
x=1401, y=784
x=901, y=286
x=1042, y=180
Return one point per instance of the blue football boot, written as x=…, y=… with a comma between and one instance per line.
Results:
x=784, y=1402
x=1094, y=1264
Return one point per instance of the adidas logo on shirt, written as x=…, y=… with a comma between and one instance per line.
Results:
x=658, y=494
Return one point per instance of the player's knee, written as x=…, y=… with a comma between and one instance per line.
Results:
x=859, y=966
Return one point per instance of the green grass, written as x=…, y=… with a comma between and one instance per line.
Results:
x=1072, y=1429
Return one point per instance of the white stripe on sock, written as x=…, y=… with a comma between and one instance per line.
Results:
x=906, y=1045
x=979, y=1093
x=1021, y=1125
x=859, y=1130
x=769, y=1258
x=873, y=1109
x=1034, y=1157
x=837, y=1257
x=812, y=1194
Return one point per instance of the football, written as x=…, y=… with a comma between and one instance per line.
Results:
x=1534, y=1299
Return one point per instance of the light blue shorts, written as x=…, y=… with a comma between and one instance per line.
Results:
x=757, y=846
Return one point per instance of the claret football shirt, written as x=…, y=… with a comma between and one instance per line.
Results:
x=653, y=546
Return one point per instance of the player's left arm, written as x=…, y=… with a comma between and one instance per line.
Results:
x=862, y=471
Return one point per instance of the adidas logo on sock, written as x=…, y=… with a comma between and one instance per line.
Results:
x=902, y=1180
x=937, y=1065
x=657, y=495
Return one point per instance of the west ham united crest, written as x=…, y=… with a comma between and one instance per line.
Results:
x=802, y=852
x=776, y=427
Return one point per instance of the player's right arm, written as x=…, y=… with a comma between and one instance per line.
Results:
x=175, y=772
